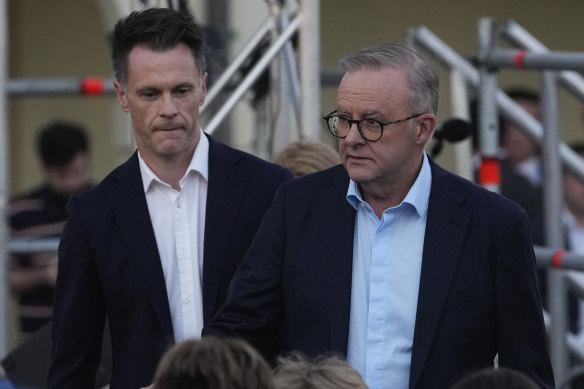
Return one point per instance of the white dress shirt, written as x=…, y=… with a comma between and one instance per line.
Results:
x=178, y=219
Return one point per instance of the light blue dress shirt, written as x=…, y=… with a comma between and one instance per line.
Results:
x=387, y=259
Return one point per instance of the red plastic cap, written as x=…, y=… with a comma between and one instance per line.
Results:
x=92, y=86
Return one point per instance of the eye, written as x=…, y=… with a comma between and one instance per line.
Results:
x=182, y=91
x=148, y=94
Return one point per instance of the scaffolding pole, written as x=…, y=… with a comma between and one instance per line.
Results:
x=489, y=173
x=254, y=74
x=553, y=202
x=310, y=69
x=518, y=36
x=509, y=109
x=4, y=192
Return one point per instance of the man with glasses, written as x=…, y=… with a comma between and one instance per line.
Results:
x=413, y=273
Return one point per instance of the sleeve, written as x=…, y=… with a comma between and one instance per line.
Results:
x=253, y=310
x=521, y=333
x=79, y=310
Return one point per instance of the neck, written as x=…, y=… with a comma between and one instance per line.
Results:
x=169, y=170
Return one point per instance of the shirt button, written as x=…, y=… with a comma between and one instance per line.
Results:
x=178, y=204
x=188, y=300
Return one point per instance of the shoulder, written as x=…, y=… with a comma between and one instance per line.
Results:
x=222, y=155
x=127, y=174
x=464, y=193
x=331, y=180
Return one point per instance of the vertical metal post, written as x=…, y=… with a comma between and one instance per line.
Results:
x=310, y=69
x=489, y=175
x=4, y=192
x=460, y=109
x=553, y=201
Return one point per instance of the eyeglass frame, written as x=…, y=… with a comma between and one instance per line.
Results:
x=358, y=123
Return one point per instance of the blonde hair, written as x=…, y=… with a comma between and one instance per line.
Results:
x=325, y=372
x=305, y=157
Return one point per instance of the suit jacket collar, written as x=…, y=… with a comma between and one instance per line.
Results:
x=446, y=226
x=337, y=229
x=225, y=193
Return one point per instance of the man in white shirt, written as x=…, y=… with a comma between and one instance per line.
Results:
x=154, y=245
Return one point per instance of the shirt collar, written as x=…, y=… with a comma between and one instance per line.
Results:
x=417, y=196
x=199, y=164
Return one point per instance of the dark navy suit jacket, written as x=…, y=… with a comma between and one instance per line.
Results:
x=109, y=266
x=478, y=292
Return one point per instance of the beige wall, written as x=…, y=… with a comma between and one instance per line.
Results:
x=55, y=39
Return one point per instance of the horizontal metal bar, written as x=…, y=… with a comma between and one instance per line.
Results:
x=509, y=108
x=521, y=59
x=520, y=37
x=87, y=86
x=559, y=259
x=29, y=245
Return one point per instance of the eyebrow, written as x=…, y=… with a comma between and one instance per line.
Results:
x=365, y=114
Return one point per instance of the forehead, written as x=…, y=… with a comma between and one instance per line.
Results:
x=373, y=89
x=145, y=61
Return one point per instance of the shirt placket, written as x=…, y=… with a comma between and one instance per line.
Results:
x=185, y=265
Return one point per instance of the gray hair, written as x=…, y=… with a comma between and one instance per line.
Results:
x=422, y=78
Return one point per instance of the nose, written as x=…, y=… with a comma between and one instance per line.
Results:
x=168, y=106
x=354, y=136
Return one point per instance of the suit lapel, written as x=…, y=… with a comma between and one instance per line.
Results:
x=336, y=231
x=445, y=232
x=126, y=196
x=225, y=194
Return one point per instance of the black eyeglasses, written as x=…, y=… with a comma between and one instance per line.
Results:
x=370, y=129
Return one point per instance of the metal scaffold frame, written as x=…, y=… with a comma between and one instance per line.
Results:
x=305, y=85
x=483, y=79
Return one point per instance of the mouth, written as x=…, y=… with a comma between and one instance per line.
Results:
x=169, y=129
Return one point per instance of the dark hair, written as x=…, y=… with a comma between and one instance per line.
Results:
x=59, y=142
x=422, y=77
x=158, y=29
x=213, y=363
x=521, y=93
x=496, y=378
x=577, y=147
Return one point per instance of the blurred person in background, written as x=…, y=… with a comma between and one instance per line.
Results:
x=63, y=150
x=307, y=156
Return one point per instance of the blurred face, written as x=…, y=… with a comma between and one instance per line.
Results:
x=71, y=178
x=396, y=158
x=574, y=194
x=163, y=95
x=520, y=147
